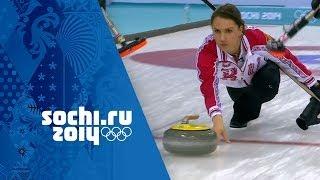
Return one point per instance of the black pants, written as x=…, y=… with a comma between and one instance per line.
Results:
x=248, y=100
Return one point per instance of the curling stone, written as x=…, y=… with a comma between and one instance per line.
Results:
x=189, y=139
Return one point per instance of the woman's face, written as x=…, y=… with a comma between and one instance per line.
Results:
x=227, y=35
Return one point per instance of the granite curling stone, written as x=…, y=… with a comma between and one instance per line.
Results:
x=189, y=139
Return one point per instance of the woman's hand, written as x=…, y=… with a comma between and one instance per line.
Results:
x=218, y=128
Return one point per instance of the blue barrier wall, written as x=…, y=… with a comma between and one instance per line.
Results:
x=286, y=3
x=133, y=18
x=274, y=15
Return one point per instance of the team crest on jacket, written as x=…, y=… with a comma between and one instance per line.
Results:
x=229, y=74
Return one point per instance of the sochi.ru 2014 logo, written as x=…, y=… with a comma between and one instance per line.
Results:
x=83, y=125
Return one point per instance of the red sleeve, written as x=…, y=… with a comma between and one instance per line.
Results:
x=206, y=60
x=257, y=37
x=292, y=65
x=285, y=59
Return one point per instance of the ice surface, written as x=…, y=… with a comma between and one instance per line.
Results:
x=278, y=148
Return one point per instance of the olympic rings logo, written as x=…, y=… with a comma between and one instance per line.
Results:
x=116, y=133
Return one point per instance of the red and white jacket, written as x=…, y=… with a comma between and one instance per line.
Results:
x=216, y=66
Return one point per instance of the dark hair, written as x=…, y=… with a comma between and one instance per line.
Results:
x=228, y=11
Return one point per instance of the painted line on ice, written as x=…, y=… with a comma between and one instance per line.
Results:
x=292, y=143
x=185, y=58
x=288, y=143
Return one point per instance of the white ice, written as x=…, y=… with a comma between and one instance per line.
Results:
x=167, y=94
